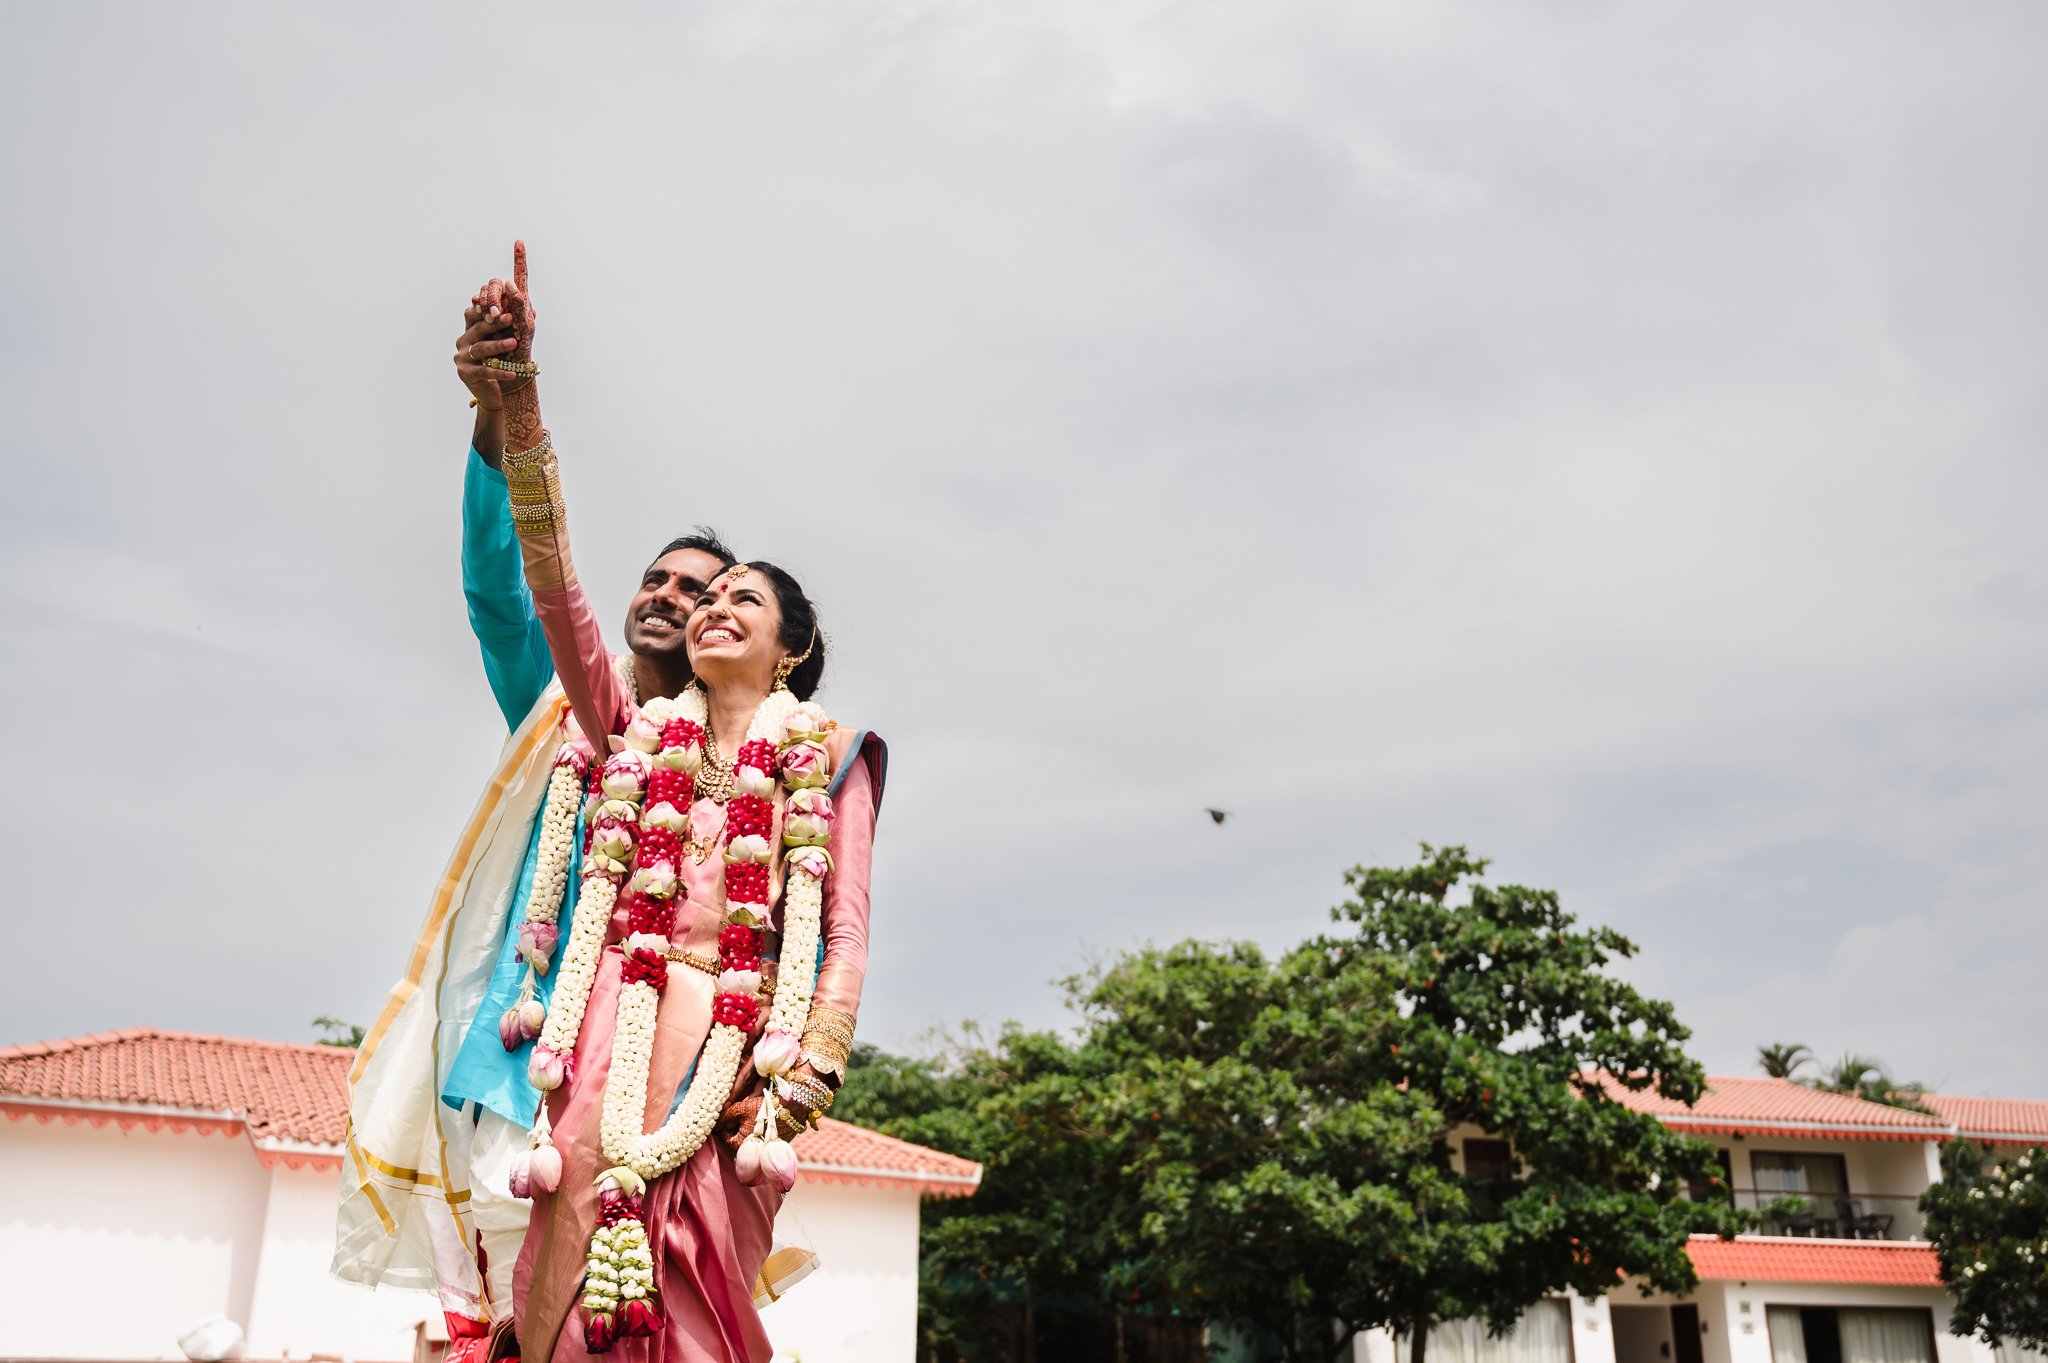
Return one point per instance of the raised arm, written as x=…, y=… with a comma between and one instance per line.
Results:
x=501, y=614
x=835, y=1000
x=539, y=519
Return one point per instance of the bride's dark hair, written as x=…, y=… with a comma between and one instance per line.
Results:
x=800, y=632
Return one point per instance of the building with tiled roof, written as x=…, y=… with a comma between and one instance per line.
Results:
x=1751, y=1106
x=199, y=1174
x=1995, y=1121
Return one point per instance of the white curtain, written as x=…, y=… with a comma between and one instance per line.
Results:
x=1886, y=1337
x=1788, y=1334
x=1543, y=1335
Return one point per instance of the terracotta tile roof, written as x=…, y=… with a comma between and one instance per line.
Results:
x=279, y=1090
x=297, y=1095
x=1888, y=1262
x=841, y=1153
x=2012, y=1121
x=1779, y=1107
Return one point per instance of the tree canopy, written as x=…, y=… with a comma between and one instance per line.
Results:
x=1276, y=1141
x=1988, y=1218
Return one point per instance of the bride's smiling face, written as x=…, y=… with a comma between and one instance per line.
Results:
x=735, y=632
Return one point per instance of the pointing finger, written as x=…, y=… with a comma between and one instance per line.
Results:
x=519, y=266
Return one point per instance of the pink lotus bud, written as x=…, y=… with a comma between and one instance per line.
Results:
x=533, y=1015
x=754, y=781
x=747, y=847
x=746, y=915
x=521, y=1179
x=778, y=1162
x=646, y=941
x=625, y=774
x=508, y=1029
x=746, y=982
x=573, y=757
x=616, y=811
x=776, y=1053
x=537, y=943
x=806, y=764
x=666, y=815
x=641, y=736
x=546, y=1163
x=546, y=1068
x=805, y=830
x=812, y=861
x=807, y=721
x=746, y=1161
x=656, y=878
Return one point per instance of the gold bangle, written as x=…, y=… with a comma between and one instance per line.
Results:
x=530, y=459
x=827, y=1040
x=524, y=369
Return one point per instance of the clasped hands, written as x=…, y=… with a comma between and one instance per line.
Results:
x=499, y=325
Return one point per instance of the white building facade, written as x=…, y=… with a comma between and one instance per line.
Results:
x=1847, y=1277
x=149, y=1180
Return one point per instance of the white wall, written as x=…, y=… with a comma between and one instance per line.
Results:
x=299, y=1307
x=160, y=1229
x=1742, y=1315
x=171, y=1228
x=861, y=1304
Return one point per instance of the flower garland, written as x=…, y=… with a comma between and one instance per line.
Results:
x=538, y=934
x=643, y=794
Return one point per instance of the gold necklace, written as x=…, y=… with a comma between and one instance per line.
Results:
x=714, y=778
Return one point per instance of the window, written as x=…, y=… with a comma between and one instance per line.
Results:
x=1779, y=1172
x=1826, y=1334
x=1543, y=1335
x=1487, y=1160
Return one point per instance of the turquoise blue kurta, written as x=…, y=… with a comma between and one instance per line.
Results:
x=517, y=663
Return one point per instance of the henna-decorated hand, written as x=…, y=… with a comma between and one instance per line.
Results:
x=736, y=1123
x=501, y=320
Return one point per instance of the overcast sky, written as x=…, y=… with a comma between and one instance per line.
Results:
x=1608, y=435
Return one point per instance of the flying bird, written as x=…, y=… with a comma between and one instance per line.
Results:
x=1217, y=815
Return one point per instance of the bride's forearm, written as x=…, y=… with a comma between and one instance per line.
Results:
x=574, y=640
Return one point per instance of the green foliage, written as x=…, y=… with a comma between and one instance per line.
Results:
x=339, y=1033
x=1783, y=1060
x=1989, y=1223
x=1270, y=1141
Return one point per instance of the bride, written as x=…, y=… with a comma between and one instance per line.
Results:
x=696, y=885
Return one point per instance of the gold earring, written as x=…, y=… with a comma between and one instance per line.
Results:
x=789, y=664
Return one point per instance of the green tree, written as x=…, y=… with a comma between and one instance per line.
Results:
x=1783, y=1060
x=1988, y=1219
x=1275, y=1141
x=339, y=1033
x=1512, y=1026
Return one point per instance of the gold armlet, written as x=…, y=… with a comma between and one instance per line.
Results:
x=828, y=1040
x=536, y=490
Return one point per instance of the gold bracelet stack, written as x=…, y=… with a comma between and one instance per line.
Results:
x=536, y=490
x=828, y=1040
x=524, y=369
x=810, y=1094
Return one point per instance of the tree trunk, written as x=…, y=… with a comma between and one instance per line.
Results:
x=1120, y=1356
x=1030, y=1323
x=1420, y=1348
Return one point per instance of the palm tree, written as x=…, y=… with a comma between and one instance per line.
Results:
x=1781, y=1060
x=1862, y=1075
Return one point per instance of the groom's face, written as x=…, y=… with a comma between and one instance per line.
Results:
x=668, y=592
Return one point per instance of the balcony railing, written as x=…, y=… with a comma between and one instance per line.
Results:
x=1835, y=1216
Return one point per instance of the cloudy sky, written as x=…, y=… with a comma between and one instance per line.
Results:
x=1609, y=435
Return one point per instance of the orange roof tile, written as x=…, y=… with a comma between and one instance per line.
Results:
x=1892, y=1263
x=842, y=1153
x=1779, y=1107
x=297, y=1095
x=2004, y=1121
x=279, y=1090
